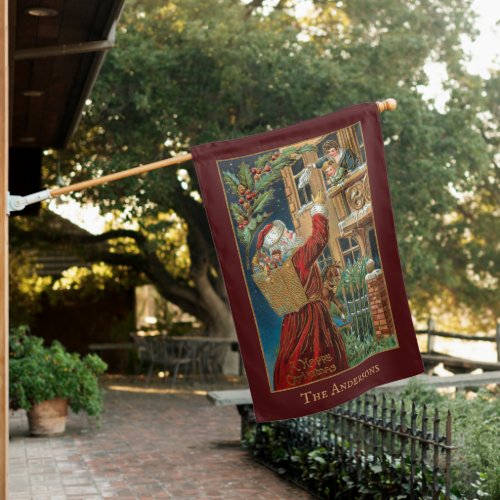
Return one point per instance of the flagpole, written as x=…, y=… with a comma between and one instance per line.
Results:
x=19, y=202
x=387, y=105
x=176, y=160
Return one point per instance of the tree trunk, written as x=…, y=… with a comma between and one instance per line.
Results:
x=221, y=319
x=203, y=296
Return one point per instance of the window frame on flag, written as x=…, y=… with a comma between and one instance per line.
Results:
x=373, y=246
x=361, y=142
x=304, y=194
x=349, y=253
x=325, y=259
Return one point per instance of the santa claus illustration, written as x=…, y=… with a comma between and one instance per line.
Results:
x=311, y=347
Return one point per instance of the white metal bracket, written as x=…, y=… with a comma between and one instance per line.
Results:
x=16, y=203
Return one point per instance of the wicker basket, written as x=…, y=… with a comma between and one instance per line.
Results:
x=282, y=289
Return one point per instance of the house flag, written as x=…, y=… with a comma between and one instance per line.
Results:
x=302, y=222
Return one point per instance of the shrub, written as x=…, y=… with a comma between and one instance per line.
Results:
x=475, y=465
x=38, y=373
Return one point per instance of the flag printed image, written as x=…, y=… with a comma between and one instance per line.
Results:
x=301, y=232
x=303, y=221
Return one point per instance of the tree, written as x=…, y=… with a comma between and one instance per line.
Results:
x=187, y=72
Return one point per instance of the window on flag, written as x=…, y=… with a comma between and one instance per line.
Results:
x=325, y=259
x=374, y=248
x=361, y=142
x=350, y=250
x=304, y=192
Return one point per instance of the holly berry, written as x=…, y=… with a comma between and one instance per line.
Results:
x=241, y=201
x=247, y=192
x=254, y=170
x=245, y=223
x=241, y=226
x=254, y=194
x=259, y=171
x=267, y=168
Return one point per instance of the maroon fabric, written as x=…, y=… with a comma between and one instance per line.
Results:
x=270, y=402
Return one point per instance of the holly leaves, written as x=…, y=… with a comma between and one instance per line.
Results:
x=262, y=200
x=237, y=211
x=251, y=185
x=245, y=176
x=231, y=181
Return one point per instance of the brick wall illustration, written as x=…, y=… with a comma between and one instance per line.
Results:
x=379, y=304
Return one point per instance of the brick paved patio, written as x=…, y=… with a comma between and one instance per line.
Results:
x=150, y=445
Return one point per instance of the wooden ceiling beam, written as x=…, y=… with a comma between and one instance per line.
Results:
x=64, y=50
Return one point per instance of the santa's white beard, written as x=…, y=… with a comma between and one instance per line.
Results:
x=287, y=245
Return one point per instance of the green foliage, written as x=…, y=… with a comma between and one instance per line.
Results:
x=475, y=465
x=475, y=434
x=330, y=473
x=252, y=188
x=25, y=286
x=421, y=394
x=353, y=277
x=476, y=430
x=189, y=72
x=359, y=349
x=38, y=373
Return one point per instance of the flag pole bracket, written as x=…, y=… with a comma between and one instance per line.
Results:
x=16, y=203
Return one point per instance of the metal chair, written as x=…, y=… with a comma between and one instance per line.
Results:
x=213, y=359
x=159, y=351
x=174, y=357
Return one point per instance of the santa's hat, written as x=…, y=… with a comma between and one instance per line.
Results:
x=270, y=234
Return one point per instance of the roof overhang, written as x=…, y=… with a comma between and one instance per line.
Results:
x=57, y=48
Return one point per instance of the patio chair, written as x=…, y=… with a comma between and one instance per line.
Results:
x=213, y=359
x=143, y=349
x=160, y=352
x=174, y=356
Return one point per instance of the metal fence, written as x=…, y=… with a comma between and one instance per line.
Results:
x=409, y=449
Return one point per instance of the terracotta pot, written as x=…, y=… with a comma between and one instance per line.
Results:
x=48, y=417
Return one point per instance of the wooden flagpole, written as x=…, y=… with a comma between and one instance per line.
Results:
x=176, y=160
x=387, y=105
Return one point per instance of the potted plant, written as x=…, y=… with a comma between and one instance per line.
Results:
x=45, y=380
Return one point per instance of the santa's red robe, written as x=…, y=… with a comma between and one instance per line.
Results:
x=311, y=347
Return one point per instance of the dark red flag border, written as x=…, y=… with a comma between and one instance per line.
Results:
x=394, y=364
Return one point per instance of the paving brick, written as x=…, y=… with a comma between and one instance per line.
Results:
x=150, y=445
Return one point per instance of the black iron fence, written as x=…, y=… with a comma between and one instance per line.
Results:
x=368, y=446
